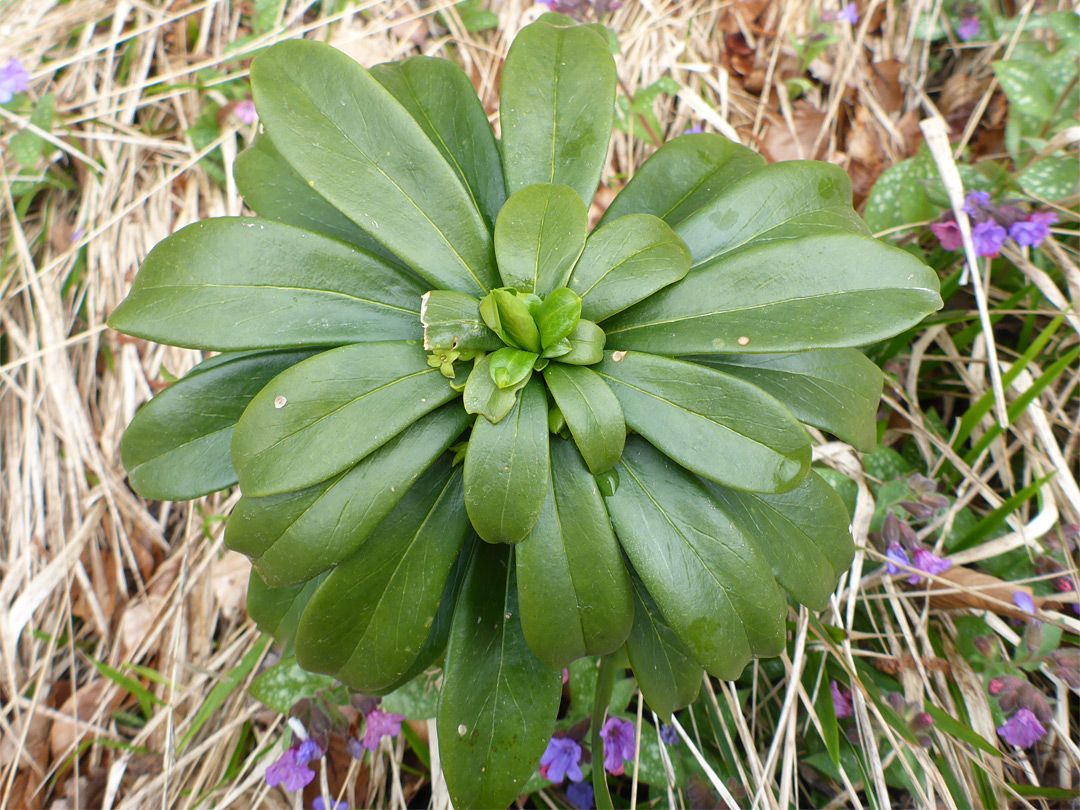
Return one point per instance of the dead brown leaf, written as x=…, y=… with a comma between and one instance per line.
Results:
x=781, y=141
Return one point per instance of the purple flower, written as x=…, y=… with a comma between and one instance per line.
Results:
x=841, y=701
x=309, y=750
x=355, y=748
x=289, y=773
x=1022, y=729
x=1023, y=600
x=565, y=675
x=561, y=760
x=969, y=28
x=13, y=79
x=975, y=203
x=618, y=737
x=245, y=111
x=379, y=725
x=988, y=238
x=669, y=734
x=948, y=233
x=929, y=563
x=849, y=13
x=319, y=804
x=694, y=130
x=895, y=556
x=1032, y=231
x=580, y=794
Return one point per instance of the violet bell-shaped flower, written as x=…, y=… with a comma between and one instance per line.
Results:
x=968, y=29
x=947, y=233
x=289, y=772
x=13, y=79
x=895, y=556
x=561, y=759
x=381, y=724
x=928, y=563
x=841, y=701
x=618, y=737
x=988, y=237
x=580, y=794
x=1023, y=729
x=1031, y=232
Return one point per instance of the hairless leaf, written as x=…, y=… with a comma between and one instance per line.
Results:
x=276, y=611
x=245, y=283
x=510, y=368
x=483, y=396
x=538, y=236
x=452, y=321
x=591, y=411
x=557, y=316
x=586, y=344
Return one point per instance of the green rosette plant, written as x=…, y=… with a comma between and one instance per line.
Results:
x=466, y=426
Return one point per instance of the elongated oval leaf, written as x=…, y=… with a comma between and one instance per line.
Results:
x=791, y=295
x=276, y=611
x=557, y=106
x=498, y=703
x=440, y=97
x=273, y=190
x=681, y=176
x=711, y=423
x=780, y=201
x=804, y=534
x=293, y=536
x=557, y=317
x=452, y=321
x=625, y=262
x=665, y=670
x=592, y=413
x=711, y=583
x=573, y=588
x=539, y=235
x=506, y=469
x=586, y=344
x=837, y=390
x=325, y=414
x=367, y=622
x=177, y=446
x=244, y=283
x=330, y=120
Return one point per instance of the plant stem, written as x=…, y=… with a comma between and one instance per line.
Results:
x=605, y=680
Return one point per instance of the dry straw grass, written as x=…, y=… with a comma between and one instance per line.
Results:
x=93, y=573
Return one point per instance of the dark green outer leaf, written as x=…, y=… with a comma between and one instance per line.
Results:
x=276, y=611
x=273, y=190
x=506, y=469
x=803, y=534
x=573, y=588
x=325, y=414
x=482, y=396
x=329, y=119
x=815, y=292
x=592, y=413
x=293, y=536
x=452, y=321
x=711, y=423
x=625, y=262
x=837, y=390
x=557, y=106
x=666, y=671
x=681, y=176
x=246, y=283
x=177, y=446
x=368, y=621
x=780, y=201
x=441, y=99
x=711, y=583
x=539, y=235
x=499, y=702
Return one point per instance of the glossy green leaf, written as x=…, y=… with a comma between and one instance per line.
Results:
x=539, y=235
x=778, y=202
x=558, y=316
x=627, y=261
x=506, y=469
x=330, y=120
x=573, y=588
x=368, y=620
x=711, y=583
x=509, y=316
x=276, y=611
x=714, y=424
x=483, y=396
x=814, y=292
x=273, y=190
x=666, y=671
x=557, y=106
x=591, y=411
x=325, y=414
x=294, y=536
x=681, y=176
x=177, y=446
x=244, y=283
x=452, y=321
x=586, y=344
x=837, y=390
x=511, y=368
x=441, y=98
x=499, y=702
x=804, y=534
